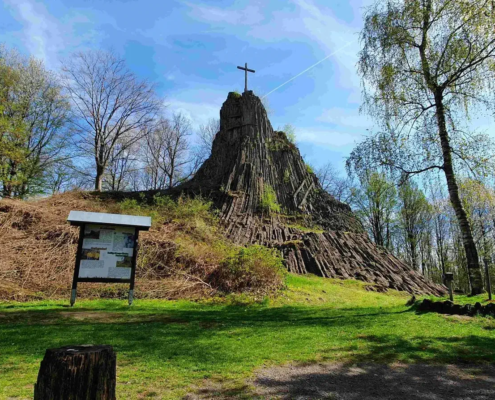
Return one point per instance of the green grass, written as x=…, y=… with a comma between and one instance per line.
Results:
x=465, y=299
x=165, y=348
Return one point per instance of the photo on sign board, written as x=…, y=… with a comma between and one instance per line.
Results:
x=90, y=254
x=91, y=233
x=128, y=240
x=124, y=262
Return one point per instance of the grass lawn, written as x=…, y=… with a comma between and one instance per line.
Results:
x=165, y=348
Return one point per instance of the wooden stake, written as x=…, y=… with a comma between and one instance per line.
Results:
x=488, y=280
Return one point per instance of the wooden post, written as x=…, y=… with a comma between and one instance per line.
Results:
x=77, y=373
x=449, y=278
x=73, y=293
x=488, y=280
x=133, y=271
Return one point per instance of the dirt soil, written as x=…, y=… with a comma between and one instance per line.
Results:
x=365, y=382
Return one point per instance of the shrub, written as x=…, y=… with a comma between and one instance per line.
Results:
x=286, y=175
x=163, y=209
x=309, y=169
x=290, y=132
x=268, y=200
x=250, y=269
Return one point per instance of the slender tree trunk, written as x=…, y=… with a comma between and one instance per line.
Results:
x=99, y=177
x=171, y=177
x=473, y=265
x=440, y=246
x=412, y=248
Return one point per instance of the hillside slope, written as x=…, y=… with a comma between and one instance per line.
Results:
x=178, y=257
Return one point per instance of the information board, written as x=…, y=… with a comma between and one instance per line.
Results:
x=107, y=251
x=107, y=248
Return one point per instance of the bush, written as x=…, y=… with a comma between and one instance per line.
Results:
x=286, y=175
x=187, y=247
x=268, y=201
x=290, y=133
x=255, y=269
x=164, y=209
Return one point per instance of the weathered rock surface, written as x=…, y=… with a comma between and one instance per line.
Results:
x=316, y=233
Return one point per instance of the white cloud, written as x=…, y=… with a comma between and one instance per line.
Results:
x=46, y=36
x=40, y=34
x=198, y=112
x=328, y=138
x=346, y=117
x=247, y=16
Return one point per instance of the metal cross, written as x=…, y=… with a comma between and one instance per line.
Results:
x=246, y=70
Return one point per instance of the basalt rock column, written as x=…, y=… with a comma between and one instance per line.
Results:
x=315, y=232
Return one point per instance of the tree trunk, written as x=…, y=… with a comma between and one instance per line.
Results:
x=77, y=373
x=99, y=177
x=473, y=265
x=412, y=247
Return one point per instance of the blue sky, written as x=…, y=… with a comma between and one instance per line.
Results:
x=191, y=49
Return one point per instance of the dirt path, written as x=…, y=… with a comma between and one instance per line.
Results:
x=364, y=382
x=373, y=382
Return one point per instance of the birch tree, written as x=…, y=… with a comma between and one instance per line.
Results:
x=425, y=64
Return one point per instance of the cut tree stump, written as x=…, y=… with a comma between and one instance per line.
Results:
x=77, y=372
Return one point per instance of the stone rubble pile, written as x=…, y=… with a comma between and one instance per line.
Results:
x=448, y=307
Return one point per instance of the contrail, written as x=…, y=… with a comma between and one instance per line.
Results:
x=307, y=69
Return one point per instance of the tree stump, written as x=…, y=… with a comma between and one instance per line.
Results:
x=77, y=372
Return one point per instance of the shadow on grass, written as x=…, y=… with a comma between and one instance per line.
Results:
x=224, y=334
x=373, y=382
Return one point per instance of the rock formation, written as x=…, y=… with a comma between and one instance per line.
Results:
x=267, y=195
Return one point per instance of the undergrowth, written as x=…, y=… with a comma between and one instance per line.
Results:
x=268, y=201
x=250, y=268
x=183, y=255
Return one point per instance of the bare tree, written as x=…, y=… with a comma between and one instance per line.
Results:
x=61, y=177
x=152, y=176
x=169, y=148
x=121, y=165
x=111, y=105
x=334, y=183
x=206, y=134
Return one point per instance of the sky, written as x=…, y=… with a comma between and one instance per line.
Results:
x=191, y=50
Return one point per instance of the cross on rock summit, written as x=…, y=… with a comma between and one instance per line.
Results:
x=246, y=70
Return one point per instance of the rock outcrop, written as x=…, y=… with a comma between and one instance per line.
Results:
x=267, y=195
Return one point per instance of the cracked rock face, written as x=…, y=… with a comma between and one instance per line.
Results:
x=267, y=195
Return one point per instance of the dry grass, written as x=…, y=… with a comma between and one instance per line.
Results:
x=178, y=257
x=37, y=245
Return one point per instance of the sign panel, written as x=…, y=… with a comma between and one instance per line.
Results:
x=107, y=251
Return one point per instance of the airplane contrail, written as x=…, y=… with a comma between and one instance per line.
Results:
x=307, y=69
